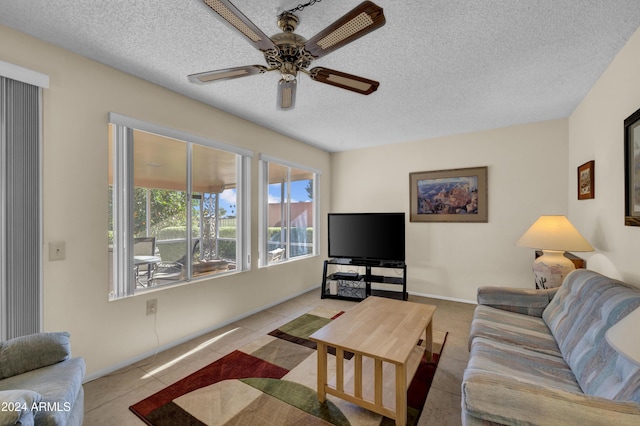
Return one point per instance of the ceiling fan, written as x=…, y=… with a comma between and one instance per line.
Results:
x=291, y=53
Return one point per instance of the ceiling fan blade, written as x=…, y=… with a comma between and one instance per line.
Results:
x=230, y=14
x=343, y=80
x=365, y=18
x=226, y=74
x=287, y=94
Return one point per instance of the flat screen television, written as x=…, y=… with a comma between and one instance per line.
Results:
x=367, y=237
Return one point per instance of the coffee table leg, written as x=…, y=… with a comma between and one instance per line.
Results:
x=401, y=395
x=322, y=371
x=428, y=342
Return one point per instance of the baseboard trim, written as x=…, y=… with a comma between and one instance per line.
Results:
x=133, y=360
x=436, y=296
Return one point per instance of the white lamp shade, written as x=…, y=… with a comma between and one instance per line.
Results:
x=554, y=233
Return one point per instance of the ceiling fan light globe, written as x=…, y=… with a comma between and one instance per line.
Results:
x=286, y=94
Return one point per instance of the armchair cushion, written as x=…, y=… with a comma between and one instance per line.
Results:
x=34, y=351
x=17, y=406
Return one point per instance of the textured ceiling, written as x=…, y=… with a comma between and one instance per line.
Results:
x=444, y=66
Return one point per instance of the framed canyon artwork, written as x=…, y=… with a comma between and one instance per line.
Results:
x=455, y=195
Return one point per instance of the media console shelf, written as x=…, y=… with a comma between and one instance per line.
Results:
x=359, y=282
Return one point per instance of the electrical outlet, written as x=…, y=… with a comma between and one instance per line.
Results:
x=152, y=307
x=57, y=250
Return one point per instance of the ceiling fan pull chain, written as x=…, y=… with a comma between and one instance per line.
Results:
x=300, y=7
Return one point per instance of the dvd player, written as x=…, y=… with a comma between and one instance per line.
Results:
x=346, y=276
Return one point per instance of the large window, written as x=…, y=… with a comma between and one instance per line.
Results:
x=177, y=207
x=289, y=211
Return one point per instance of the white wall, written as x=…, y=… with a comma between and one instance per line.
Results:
x=527, y=177
x=76, y=107
x=596, y=133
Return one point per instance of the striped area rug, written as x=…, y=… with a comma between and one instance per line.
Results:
x=272, y=381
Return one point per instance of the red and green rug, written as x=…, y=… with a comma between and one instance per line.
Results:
x=272, y=381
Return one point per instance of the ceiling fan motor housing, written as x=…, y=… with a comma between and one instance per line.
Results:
x=289, y=56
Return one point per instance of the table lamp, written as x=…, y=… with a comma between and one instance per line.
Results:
x=623, y=337
x=553, y=235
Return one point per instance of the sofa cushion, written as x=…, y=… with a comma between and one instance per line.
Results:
x=522, y=364
x=491, y=399
x=523, y=330
x=18, y=406
x=585, y=307
x=34, y=351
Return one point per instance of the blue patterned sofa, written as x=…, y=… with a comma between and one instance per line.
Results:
x=540, y=357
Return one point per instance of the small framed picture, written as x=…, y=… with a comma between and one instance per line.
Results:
x=586, y=181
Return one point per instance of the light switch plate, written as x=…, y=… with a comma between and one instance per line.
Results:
x=57, y=250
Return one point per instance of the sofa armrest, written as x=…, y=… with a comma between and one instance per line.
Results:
x=505, y=400
x=521, y=300
x=34, y=351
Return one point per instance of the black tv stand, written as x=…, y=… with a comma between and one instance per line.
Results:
x=359, y=284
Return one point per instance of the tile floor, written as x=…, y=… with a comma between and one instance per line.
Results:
x=107, y=399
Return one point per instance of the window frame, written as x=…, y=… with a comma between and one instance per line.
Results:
x=263, y=197
x=123, y=224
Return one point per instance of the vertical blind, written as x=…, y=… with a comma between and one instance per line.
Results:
x=20, y=209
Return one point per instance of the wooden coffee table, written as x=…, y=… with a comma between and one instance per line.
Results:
x=383, y=334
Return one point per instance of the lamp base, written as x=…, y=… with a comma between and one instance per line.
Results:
x=551, y=268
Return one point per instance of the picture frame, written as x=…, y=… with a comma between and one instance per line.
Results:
x=454, y=195
x=586, y=181
x=632, y=169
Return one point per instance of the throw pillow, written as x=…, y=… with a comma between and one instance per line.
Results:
x=38, y=350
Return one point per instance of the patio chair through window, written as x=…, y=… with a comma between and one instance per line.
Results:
x=174, y=258
x=145, y=260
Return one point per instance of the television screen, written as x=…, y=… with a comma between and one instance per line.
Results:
x=368, y=236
